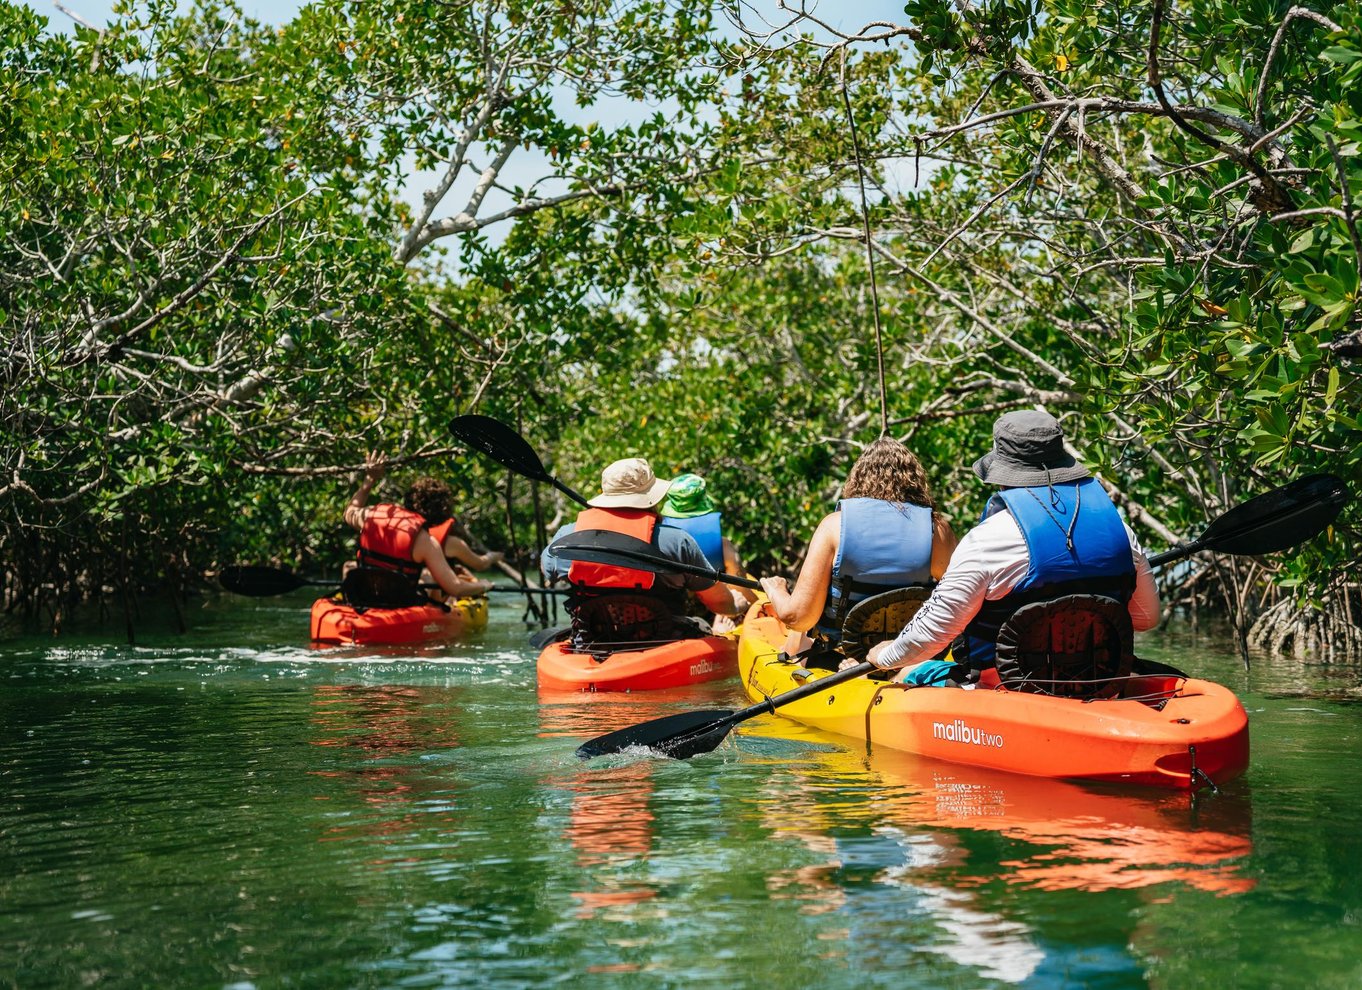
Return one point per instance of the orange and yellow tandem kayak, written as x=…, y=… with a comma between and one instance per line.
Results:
x=335, y=624
x=1164, y=730
x=663, y=665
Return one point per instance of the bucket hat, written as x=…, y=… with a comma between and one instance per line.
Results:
x=687, y=498
x=630, y=484
x=1028, y=450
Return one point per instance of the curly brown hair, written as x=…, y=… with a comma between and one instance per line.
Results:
x=431, y=499
x=890, y=471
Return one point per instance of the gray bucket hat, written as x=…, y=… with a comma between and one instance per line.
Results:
x=1028, y=450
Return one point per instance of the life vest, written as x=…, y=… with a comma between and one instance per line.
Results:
x=708, y=532
x=881, y=546
x=1076, y=544
x=387, y=537
x=439, y=531
x=638, y=523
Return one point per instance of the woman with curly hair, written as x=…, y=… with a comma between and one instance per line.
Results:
x=884, y=535
x=416, y=539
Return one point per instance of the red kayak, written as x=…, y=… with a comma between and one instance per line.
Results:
x=335, y=623
x=664, y=665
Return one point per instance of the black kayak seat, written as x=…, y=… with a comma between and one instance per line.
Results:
x=377, y=587
x=1077, y=646
x=879, y=618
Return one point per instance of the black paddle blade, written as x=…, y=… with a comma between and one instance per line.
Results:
x=259, y=582
x=501, y=443
x=678, y=736
x=1279, y=519
x=544, y=637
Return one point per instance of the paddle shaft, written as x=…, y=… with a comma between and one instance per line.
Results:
x=799, y=693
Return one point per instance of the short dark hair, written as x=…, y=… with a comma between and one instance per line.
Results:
x=431, y=499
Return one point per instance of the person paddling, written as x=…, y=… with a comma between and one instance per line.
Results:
x=1051, y=531
x=884, y=535
x=608, y=595
x=688, y=507
x=413, y=539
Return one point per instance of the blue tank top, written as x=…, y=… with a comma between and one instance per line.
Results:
x=708, y=532
x=1076, y=544
x=880, y=546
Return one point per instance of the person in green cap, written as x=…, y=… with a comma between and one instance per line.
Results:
x=689, y=508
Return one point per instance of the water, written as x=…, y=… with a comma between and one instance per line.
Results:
x=230, y=809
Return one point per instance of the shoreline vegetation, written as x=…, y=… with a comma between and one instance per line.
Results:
x=642, y=233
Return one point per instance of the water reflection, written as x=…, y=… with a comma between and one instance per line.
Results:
x=893, y=820
x=379, y=733
x=610, y=826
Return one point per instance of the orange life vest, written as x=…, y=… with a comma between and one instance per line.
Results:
x=387, y=537
x=638, y=523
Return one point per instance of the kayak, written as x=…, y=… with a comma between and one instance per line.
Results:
x=1164, y=730
x=335, y=623
x=665, y=665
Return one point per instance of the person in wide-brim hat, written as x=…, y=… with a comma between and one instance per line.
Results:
x=1028, y=542
x=1028, y=450
x=630, y=484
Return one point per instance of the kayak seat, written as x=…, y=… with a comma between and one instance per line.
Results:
x=1077, y=646
x=375, y=587
x=878, y=618
x=602, y=623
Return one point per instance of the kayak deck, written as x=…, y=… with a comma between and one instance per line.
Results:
x=1165, y=731
x=337, y=624
x=665, y=665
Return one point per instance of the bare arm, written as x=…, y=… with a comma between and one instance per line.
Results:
x=375, y=466
x=943, y=545
x=733, y=566
x=800, y=609
x=717, y=598
x=458, y=549
x=425, y=551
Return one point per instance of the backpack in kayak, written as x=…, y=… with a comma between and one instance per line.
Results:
x=1077, y=646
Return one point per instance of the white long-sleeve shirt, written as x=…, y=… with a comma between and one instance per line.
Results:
x=990, y=561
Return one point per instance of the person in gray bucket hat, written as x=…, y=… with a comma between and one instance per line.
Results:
x=1050, y=531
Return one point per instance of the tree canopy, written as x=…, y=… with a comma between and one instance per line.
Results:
x=236, y=256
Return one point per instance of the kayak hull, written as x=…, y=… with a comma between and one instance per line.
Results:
x=669, y=665
x=337, y=624
x=1186, y=731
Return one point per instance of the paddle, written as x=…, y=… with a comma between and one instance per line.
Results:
x=508, y=448
x=601, y=546
x=1266, y=523
x=1272, y=521
x=265, y=582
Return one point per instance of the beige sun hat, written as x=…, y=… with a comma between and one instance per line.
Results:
x=630, y=484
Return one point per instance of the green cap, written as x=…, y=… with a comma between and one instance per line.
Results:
x=686, y=497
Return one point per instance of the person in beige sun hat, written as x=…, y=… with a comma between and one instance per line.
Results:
x=630, y=484
x=628, y=502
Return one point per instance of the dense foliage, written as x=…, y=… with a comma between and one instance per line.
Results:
x=632, y=231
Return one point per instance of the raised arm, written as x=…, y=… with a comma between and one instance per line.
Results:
x=375, y=467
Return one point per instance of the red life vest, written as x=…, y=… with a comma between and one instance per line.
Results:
x=439, y=531
x=387, y=537
x=638, y=523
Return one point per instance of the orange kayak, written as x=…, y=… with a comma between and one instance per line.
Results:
x=1166, y=731
x=335, y=623
x=675, y=664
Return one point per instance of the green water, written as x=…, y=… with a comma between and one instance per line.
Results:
x=230, y=809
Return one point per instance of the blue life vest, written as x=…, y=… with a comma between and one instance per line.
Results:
x=1099, y=562
x=881, y=546
x=707, y=532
